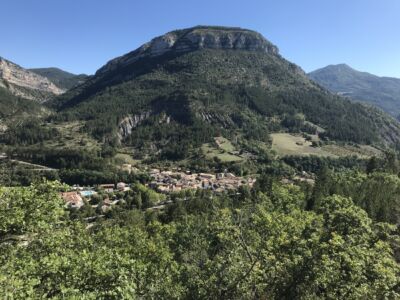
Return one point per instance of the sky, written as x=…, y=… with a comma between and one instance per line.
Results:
x=80, y=36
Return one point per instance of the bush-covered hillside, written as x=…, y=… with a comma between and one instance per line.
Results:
x=13, y=107
x=214, y=88
x=60, y=78
x=266, y=243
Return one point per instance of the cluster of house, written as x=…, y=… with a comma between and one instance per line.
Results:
x=163, y=182
x=170, y=181
x=75, y=197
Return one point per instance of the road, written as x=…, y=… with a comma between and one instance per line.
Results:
x=36, y=167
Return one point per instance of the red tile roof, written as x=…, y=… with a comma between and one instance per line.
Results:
x=72, y=198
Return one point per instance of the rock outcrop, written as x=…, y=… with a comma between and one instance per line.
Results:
x=26, y=84
x=130, y=122
x=200, y=37
x=216, y=118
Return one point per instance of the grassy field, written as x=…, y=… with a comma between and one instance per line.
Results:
x=363, y=151
x=122, y=158
x=223, y=151
x=224, y=144
x=72, y=137
x=289, y=144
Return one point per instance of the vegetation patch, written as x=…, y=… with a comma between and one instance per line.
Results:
x=72, y=136
x=123, y=158
x=222, y=150
x=362, y=151
x=288, y=144
x=224, y=144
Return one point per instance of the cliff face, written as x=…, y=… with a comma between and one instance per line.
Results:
x=192, y=39
x=130, y=122
x=26, y=84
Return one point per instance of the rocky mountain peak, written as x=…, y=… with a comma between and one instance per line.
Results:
x=196, y=38
x=26, y=84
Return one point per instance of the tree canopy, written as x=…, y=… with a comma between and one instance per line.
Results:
x=260, y=243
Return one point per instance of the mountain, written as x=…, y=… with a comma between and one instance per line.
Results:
x=382, y=92
x=14, y=109
x=185, y=87
x=26, y=84
x=60, y=78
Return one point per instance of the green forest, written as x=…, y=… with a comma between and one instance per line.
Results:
x=202, y=165
x=337, y=239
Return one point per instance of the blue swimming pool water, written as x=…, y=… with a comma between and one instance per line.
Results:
x=87, y=193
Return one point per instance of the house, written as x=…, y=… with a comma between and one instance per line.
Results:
x=154, y=171
x=166, y=173
x=177, y=188
x=206, y=176
x=77, y=187
x=206, y=184
x=72, y=199
x=121, y=186
x=163, y=188
x=108, y=188
x=220, y=175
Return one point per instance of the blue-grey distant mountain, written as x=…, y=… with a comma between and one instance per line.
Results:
x=60, y=78
x=383, y=92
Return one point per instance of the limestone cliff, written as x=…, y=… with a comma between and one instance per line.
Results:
x=128, y=123
x=200, y=37
x=26, y=84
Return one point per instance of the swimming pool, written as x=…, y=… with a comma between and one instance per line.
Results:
x=87, y=193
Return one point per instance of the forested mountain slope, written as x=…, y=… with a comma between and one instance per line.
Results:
x=14, y=109
x=60, y=78
x=190, y=85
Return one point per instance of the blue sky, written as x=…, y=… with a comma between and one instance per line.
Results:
x=80, y=36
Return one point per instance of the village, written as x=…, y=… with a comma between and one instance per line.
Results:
x=170, y=181
x=162, y=181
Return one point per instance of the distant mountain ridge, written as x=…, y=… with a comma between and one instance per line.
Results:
x=382, y=92
x=61, y=78
x=26, y=84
